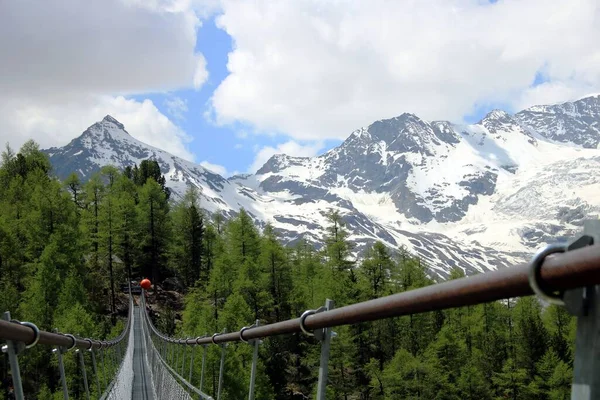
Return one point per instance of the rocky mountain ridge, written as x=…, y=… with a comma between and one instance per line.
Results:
x=478, y=196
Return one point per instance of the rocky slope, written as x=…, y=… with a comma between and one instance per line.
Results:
x=479, y=196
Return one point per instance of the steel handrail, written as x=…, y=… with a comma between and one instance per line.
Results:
x=560, y=272
x=21, y=333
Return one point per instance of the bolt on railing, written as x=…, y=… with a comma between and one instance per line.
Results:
x=21, y=336
x=571, y=278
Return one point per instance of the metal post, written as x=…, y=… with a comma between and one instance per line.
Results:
x=84, y=372
x=193, y=350
x=96, y=372
x=323, y=368
x=176, y=358
x=221, y=369
x=12, y=349
x=103, y=369
x=183, y=359
x=61, y=368
x=112, y=363
x=586, y=380
x=254, y=362
x=203, y=365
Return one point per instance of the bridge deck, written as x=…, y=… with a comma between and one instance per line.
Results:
x=142, y=384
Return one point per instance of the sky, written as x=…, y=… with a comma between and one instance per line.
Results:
x=229, y=83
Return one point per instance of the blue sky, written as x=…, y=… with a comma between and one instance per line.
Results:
x=227, y=145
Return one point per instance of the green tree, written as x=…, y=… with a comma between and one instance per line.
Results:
x=107, y=228
x=74, y=186
x=188, y=234
x=274, y=263
x=154, y=230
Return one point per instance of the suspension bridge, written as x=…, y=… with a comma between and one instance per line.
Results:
x=143, y=363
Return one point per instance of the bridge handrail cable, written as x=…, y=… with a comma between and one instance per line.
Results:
x=559, y=272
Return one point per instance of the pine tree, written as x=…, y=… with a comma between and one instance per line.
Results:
x=107, y=228
x=274, y=263
x=531, y=340
x=126, y=223
x=73, y=185
x=154, y=229
x=149, y=169
x=188, y=235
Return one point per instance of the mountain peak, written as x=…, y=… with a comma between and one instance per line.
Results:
x=111, y=120
x=496, y=114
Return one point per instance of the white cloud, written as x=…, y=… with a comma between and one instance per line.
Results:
x=69, y=47
x=67, y=63
x=176, y=107
x=219, y=169
x=290, y=148
x=56, y=125
x=315, y=70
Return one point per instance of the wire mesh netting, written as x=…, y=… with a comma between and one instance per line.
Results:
x=166, y=382
x=122, y=383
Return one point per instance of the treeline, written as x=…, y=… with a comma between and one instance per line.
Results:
x=65, y=248
x=503, y=350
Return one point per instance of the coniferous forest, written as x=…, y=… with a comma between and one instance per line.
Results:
x=67, y=247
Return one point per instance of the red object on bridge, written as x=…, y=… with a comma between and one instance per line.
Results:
x=146, y=284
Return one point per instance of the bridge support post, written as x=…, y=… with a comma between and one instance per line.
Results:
x=183, y=359
x=203, y=365
x=325, y=336
x=172, y=354
x=256, y=343
x=193, y=350
x=585, y=304
x=102, y=357
x=61, y=368
x=12, y=349
x=95, y=368
x=221, y=369
x=84, y=373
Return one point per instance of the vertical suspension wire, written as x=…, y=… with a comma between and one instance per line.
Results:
x=203, y=366
x=255, y=344
x=61, y=369
x=96, y=372
x=84, y=373
x=183, y=359
x=11, y=348
x=221, y=371
x=102, y=359
x=192, y=351
x=324, y=363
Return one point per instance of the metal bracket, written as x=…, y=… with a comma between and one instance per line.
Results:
x=318, y=333
x=585, y=304
x=577, y=300
x=324, y=363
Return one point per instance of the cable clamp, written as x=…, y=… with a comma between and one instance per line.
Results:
x=306, y=314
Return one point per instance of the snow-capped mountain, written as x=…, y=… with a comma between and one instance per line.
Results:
x=477, y=196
